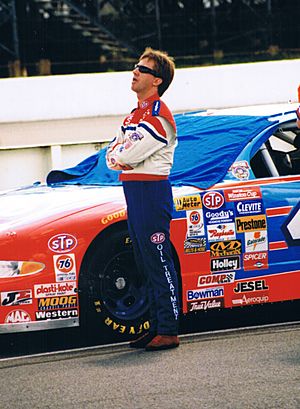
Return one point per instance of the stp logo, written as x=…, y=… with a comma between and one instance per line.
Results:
x=213, y=200
x=158, y=238
x=61, y=243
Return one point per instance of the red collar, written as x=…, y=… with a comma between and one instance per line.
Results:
x=148, y=102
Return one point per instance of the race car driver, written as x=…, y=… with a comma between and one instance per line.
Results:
x=143, y=149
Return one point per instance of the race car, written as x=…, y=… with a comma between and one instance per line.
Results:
x=66, y=257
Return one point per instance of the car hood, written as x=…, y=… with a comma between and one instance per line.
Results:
x=34, y=203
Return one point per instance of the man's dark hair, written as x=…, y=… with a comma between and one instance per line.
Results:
x=163, y=65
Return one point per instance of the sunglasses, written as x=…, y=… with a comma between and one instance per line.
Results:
x=146, y=70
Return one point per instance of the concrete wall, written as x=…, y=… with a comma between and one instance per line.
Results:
x=56, y=121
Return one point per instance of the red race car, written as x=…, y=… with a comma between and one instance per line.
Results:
x=66, y=257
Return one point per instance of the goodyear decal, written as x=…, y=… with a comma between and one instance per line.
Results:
x=127, y=329
x=113, y=216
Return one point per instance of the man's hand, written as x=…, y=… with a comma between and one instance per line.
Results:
x=112, y=161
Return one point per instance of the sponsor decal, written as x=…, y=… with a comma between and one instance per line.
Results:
x=144, y=104
x=240, y=170
x=250, y=193
x=195, y=245
x=127, y=329
x=127, y=145
x=205, y=304
x=247, y=207
x=54, y=303
x=226, y=248
x=251, y=223
x=17, y=316
x=158, y=238
x=205, y=293
x=113, y=216
x=249, y=286
x=54, y=289
x=136, y=136
x=195, y=223
x=62, y=243
x=224, y=278
x=260, y=299
x=219, y=216
x=16, y=297
x=55, y=315
x=256, y=241
x=64, y=267
x=222, y=232
x=256, y=260
x=213, y=200
x=190, y=202
x=225, y=263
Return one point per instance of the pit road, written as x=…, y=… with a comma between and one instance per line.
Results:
x=245, y=368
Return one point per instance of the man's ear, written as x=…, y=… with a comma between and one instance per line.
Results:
x=157, y=81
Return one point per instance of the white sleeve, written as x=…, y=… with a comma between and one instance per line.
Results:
x=146, y=139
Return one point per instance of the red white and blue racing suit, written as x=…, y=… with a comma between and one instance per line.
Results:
x=144, y=149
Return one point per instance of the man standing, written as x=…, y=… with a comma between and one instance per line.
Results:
x=144, y=150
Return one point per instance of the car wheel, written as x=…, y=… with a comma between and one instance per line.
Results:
x=113, y=294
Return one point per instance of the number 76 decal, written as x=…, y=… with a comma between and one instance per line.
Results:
x=291, y=227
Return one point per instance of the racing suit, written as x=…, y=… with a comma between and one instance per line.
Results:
x=144, y=150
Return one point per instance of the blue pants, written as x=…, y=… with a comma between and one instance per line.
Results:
x=149, y=209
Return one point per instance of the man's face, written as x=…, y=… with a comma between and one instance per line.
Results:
x=142, y=83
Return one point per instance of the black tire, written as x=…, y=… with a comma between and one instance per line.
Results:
x=113, y=301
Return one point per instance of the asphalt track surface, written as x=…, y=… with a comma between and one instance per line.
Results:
x=257, y=367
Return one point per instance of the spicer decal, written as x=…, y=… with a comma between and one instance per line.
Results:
x=256, y=260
